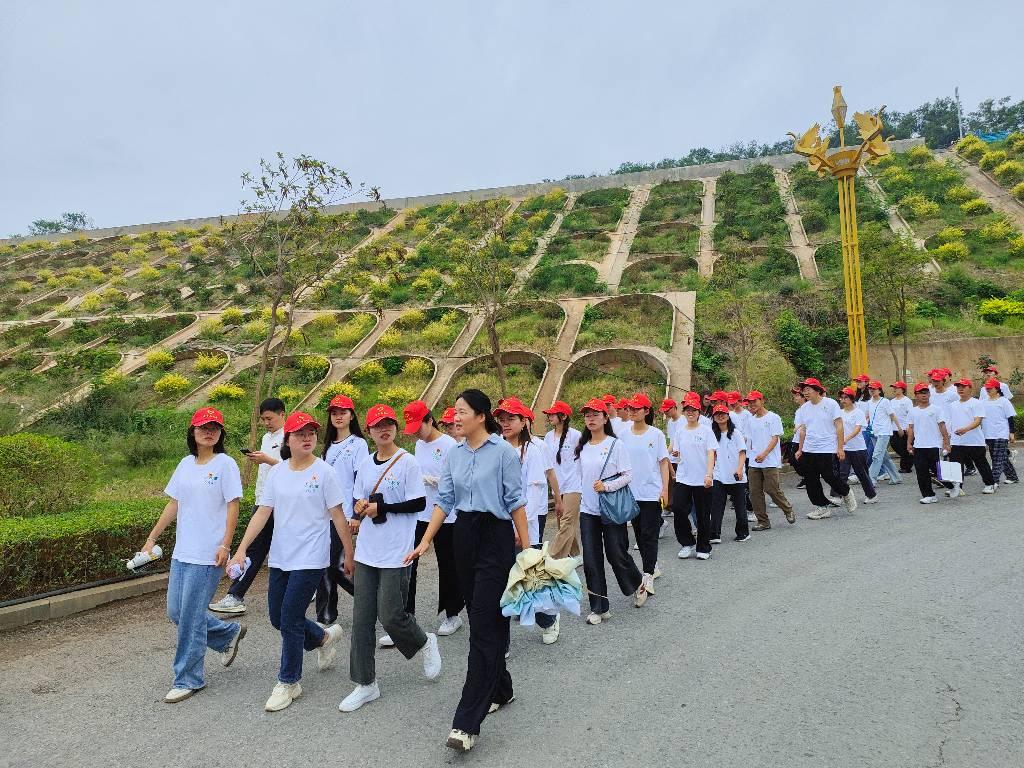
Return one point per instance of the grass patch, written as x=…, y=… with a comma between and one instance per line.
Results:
x=619, y=322
x=533, y=326
x=677, y=272
x=749, y=209
x=523, y=380
x=593, y=379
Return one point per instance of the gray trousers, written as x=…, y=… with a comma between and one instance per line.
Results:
x=380, y=593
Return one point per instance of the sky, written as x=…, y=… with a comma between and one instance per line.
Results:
x=139, y=112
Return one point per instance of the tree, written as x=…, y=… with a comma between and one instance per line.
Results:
x=892, y=274
x=794, y=339
x=994, y=115
x=71, y=221
x=289, y=241
x=744, y=335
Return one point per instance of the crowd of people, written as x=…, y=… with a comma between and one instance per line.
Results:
x=478, y=486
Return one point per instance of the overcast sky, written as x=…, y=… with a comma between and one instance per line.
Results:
x=139, y=112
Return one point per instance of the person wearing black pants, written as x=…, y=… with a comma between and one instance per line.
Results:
x=821, y=442
x=482, y=483
x=694, y=478
x=926, y=434
x=857, y=457
x=449, y=597
x=964, y=419
x=730, y=481
x=602, y=540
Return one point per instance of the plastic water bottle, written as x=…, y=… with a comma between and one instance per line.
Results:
x=235, y=570
x=143, y=559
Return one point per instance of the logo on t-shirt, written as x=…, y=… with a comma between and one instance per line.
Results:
x=211, y=478
x=437, y=454
x=391, y=483
x=312, y=485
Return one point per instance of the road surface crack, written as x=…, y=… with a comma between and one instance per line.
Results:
x=955, y=719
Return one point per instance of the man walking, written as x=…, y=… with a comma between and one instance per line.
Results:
x=821, y=441
x=967, y=438
x=765, y=451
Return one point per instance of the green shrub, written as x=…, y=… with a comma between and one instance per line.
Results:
x=919, y=155
x=414, y=318
x=1017, y=246
x=960, y=193
x=159, y=360
x=399, y=394
x=417, y=368
x=998, y=310
x=953, y=251
x=338, y=388
x=232, y=316
x=229, y=391
x=991, y=159
x=1010, y=172
x=211, y=328
x=439, y=334
x=917, y=206
x=315, y=365
x=42, y=475
x=949, y=234
x=1018, y=191
x=91, y=302
x=323, y=322
x=971, y=147
x=255, y=331
x=289, y=394
x=172, y=385
x=1015, y=141
x=371, y=370
x=976, y=207
x=208, y=363
x=996, y=231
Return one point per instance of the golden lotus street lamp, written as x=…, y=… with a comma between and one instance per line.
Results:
x=843, y=165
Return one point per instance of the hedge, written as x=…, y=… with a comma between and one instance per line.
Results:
x=51, y=552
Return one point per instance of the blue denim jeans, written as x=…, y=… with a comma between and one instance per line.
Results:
x=189, y=590
x=881, y=462
x=288, y=597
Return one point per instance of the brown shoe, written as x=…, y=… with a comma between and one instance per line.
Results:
x=761, y=527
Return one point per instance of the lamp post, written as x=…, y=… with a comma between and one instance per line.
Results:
x=843, y=164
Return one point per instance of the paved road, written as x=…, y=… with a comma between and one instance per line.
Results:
x=889, y=638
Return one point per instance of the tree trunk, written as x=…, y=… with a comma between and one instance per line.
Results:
x=892, y=348
x=903, y=326
x=254, y=418
x=499, y=365
x=283, y=347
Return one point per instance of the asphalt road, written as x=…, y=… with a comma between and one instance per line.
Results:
x=892, y=637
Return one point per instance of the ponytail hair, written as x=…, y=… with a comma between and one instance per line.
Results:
x=563, y=422
x=479, y=403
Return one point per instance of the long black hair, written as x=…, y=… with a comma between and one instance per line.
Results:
x=585, y=437
x=479, y=403
x=563, y=422
x=863, y=395
x=331, y=435
x=718, y=430
x=193, y=447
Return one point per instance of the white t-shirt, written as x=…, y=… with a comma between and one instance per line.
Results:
x=1004, y=388
x=202, y=492
x=925, y=422
x=852, y=419
x=671, y=427
x=702, y=420
x=741, y=420
x=959, y=415
x=694, y=445
x=645, y=454
x=944, y=399
x=819, y=421
x=301, y=500
x=878, y=412
x=728, y=456
x=568, y=478
x=431, y=457
x=997, y=412
x=345, y=457
x=762, y=430
x=797, y=423
x=533, y=460
x=385, y=545
x=901, y=407
x=589, y=465
x=620, y=425
x=270, y=445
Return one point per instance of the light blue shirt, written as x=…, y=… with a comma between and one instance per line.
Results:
x=485, y=479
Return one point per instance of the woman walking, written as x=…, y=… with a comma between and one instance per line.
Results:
x=730, y=475
x=649, y=479
x=344, y=449
x=901, y=405
x=561, y=442
x=694, y=479
x=855, y=449
x=999, y=414
x=482, y=484
x=389, y=492
x=204, y=492
x=304, y=495
x=882, y=424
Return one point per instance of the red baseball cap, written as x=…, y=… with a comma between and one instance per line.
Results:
x=379, y=413
x=874, y=384
x=754, y=395
x=207, y=415
x=862, y=377
x=899, y=385
x=414, y=414
x=849, y=391
x=559, y=406
x=297, y=420
x=810, y=381
x=595, y=404
x=667, y=404
x=692, y=400
x=992, y=384
x=640, y=400
x=718, y=394
x=448, y=417
x=732, y=397
x=797, y=390
x=963, y=383
x=937, y=376
x=720, y=408
x=512, y=406
x=609, y=399
x=623, y=403
x=341, y=401
x=920, y=388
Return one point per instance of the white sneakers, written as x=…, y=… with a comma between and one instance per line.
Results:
x=363, y=694
x=751, y=517
x=640, y=597
x=664, y=528
x=597, y=618
x=872, y=500
x=703, y=555
x=282, y=696
x=460, y=741
x=955, y=492
x=851, y=502
x=718, y=539
x=386, y=641
x=549, y=635
x=449, y=625
x=649, y=580
x=819, y=513
x=495, y=706
x=989, y=489
x=228, y=604
x=928, y=500
x=180, y=694
x=325, y=653
x=656, y=574
x=431, y=658
x=227, y=657
x=685, y=552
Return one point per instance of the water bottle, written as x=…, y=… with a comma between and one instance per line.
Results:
x=143, y=559
x=235, y=570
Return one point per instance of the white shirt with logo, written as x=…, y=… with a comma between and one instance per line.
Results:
x=565, y=471
x=901, y=407
x=819, y=421
x=431, y=458
x=385, y=545
x=646, y=452
x=728, y=456
x=761, y=431
x=962, y=414
x=345, y=457
x=997, y=413
x=925, y=422
x=852, y=419
x=592, y=457
x=694, y=445
x=878, y=413
x=301, y=501
x=202, y=492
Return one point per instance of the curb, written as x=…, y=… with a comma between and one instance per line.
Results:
x=59, y=606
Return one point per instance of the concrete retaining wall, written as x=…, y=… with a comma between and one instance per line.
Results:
x=959, y=355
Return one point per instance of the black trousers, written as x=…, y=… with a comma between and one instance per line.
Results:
x=327, y=589
x=601, y=540
x=925, y=462
x=720, y=494
x=449, y=596
x=257, y=553
x=898, y=443
x=859, y=462
x=818, y=467
x=975, y=455
x=484, y=554
x=646, y=527
x=699, y=498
